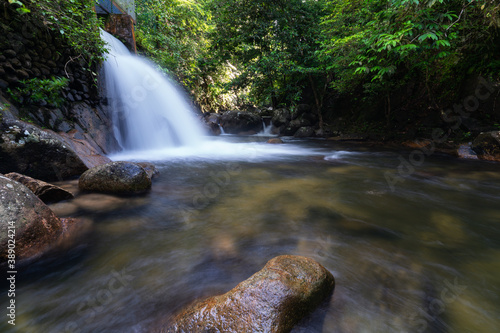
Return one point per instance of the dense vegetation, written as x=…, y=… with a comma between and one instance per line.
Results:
x=373, y=62
x=325, y=52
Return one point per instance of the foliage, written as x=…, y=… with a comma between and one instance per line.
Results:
x=41, y=90
x=174, y=34
x=74, y=20
x=377, y=39
x=273, y=42
x=20, y=7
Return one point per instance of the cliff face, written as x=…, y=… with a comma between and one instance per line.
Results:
x=30, y=50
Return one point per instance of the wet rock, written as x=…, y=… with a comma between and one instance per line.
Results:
x=487, y=146
x=115, y=177
x=465, y=151
x=272, y=300
x=95, y=124
x=36, y=226
x=240, y=122
x=211, y=123
x=304, y=132
x=90, y=155
x=48, y=193
x=150, y=169
x=212, y=128
x=275, y=141
x=41, y=154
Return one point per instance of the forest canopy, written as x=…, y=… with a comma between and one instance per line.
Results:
x=281, y=53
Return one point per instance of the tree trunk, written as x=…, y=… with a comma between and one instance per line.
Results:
x=318, y=103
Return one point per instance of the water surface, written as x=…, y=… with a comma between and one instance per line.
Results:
x=419, y=257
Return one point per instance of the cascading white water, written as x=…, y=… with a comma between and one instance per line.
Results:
x=149, y=112
x=267, y=130
x=153, y=120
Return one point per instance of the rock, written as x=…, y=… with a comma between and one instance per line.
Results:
x=115, y=177
x=212, y=128
x=150, y=169
x=212, y=118
x=304, y=132
x=41, y=154
x=272, y=300
x=275, y=141
x=10, y=53
x=96, y=125
x=487, y=146
x=300, y=110
x=211, y=122
x=234, y=122
x=48, y=193
x=37, y=228
x=16, y=63
x=465, y=151
x=281, y=117
x=90, y=155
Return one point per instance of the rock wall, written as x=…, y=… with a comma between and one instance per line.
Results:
x=30, y=50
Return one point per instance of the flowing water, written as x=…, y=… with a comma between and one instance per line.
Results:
x=422, y=256
x=149, y=110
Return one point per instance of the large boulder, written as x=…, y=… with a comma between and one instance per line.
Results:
x=48, y=193
x=487, y=146
x=27, y=220
x=281, y=117
x=115, y=177
x=234, y=122
x=272, y=300
x=41, y=154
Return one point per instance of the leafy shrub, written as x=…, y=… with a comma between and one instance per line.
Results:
x=38, y=90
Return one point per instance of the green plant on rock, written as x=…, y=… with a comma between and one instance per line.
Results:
x=77, y=23
x=21, y=7
x=38, y=90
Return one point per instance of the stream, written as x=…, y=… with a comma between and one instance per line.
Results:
x=420, y=256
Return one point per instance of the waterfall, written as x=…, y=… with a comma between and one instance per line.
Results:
x=267, y=130
x=149, y=111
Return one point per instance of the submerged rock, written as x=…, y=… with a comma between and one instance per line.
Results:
x=487, y=146
x=115, y=177
x=272, y=300
x=41, y=154
x=275, y=141
x=48, y=193
x=27, y=220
